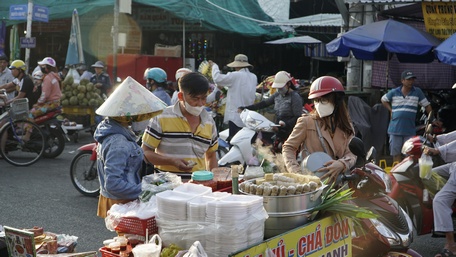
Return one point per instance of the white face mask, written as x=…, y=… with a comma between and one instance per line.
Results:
x=283, y=91
x=324, y=109
x=193, y=110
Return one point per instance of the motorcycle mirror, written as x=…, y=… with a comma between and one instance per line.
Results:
x=371, y=154
x=356, y=146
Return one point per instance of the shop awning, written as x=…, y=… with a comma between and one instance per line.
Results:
x=237, y=16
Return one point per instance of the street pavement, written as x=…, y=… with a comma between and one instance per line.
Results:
x=43, y=195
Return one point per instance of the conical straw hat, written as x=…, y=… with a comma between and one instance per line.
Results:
x=131, y=99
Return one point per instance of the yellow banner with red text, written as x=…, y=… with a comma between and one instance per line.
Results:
x=330, y=236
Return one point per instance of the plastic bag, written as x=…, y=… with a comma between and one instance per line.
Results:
x=253, y=172
x=138, y=209
x=196, y=250
x=425, y=163
x=158, y=182
x=151, y=249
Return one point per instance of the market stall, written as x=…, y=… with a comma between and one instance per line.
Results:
x=278, y=219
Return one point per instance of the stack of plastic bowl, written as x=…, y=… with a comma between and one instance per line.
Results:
x=238, y=221
x=172, y=205
x=196, y=207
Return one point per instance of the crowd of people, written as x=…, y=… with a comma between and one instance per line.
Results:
x=179, y=135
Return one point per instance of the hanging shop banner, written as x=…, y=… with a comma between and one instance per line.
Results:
x=439, y=18
x=330, y=236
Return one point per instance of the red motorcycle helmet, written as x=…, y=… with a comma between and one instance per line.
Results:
x=413, y=146
x=325, y=85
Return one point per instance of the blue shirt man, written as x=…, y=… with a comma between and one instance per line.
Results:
x=403, y=102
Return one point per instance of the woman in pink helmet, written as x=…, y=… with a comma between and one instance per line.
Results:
x=326, y=129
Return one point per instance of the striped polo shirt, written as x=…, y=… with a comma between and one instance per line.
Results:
x=170, y=134
x=404, y=110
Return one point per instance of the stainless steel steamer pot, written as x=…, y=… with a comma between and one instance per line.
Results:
x=290, y=211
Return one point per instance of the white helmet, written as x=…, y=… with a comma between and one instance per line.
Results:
x=281, y=79
x=48, y=61
x=181, y=72
x=145, y=73
x=37, y=75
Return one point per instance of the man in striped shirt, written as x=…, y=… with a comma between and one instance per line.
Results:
x=403, y=103
x=183, y=138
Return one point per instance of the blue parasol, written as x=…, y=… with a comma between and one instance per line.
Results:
x=379, y=40
x=75, y=55
x=446, y=51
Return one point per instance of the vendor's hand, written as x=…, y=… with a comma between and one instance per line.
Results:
x=240, y=109
x=182, y=165
x=431, y=151
x=282, y=123
x=210, y=62
x=332, y=169
x=430, y=138
x=98, y=85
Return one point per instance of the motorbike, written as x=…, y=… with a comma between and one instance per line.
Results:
x=55, y=134
x=391, y=233
x=241, y=150
x=444, y=104
x=83, y=170
x=411, y=191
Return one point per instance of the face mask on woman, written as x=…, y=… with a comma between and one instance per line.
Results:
x=283, y=91
x=324, y=109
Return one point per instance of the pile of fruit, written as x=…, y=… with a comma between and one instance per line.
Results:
x=83, y=93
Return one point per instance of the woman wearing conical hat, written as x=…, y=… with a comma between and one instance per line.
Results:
x=119, y=157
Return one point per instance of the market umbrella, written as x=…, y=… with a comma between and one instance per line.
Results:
x=307, y=41
x=379, y=40
x=75, y=54
x=446, y=51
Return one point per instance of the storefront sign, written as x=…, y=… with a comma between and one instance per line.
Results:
x=327, y=237
x=439, y=18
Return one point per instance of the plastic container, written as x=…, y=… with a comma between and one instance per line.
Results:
x=222, y=176
x=205, y=178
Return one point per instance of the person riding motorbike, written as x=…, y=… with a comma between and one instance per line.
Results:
x=287, y=105
x=156, y=83
x=326, y=129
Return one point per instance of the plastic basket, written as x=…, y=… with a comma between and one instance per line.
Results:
x=106, y=253
x=19, y=109
x=133, y=225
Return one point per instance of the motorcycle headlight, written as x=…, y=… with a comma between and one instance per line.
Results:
x=395, y=239
x=392, y=237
